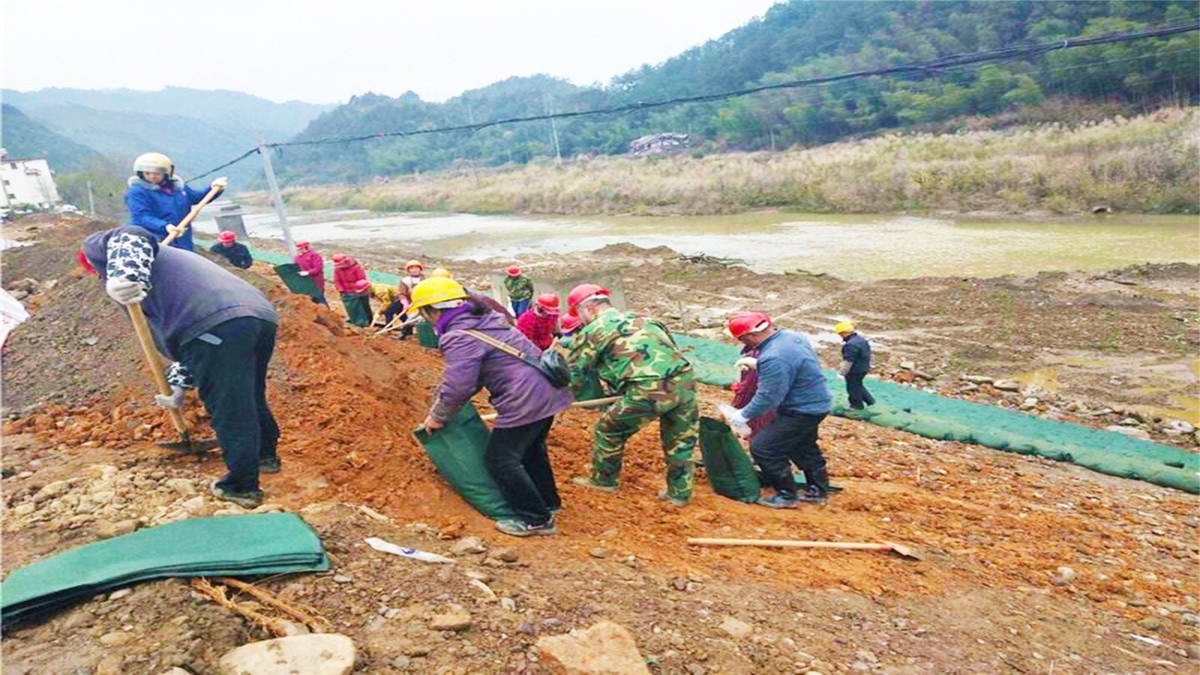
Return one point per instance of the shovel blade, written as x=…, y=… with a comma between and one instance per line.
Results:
x=190, y=447
x=903, y=551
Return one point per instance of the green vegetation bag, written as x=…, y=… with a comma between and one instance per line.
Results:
x=290, y=274
x=729, y=468
x=457, y=450
x=358, y=308
x=425, y=335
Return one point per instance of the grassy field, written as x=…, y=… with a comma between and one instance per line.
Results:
x=1145, y=164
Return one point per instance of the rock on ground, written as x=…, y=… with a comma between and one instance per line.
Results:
x=606, y=648
x=325, y=654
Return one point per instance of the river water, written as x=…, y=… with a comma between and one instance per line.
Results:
x=847, y=246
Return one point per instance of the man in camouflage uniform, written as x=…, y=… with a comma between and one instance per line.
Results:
x=637, y=358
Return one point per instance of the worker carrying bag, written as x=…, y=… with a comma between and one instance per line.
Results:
x=552, y=365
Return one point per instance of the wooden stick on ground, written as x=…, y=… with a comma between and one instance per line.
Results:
x=217, y=595
x=316, y=624
x=795, y=543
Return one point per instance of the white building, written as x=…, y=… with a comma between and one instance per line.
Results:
x=27, y=183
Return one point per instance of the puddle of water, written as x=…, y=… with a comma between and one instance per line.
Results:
x=1186, y=408
x=1045, y=378
x=848, y=246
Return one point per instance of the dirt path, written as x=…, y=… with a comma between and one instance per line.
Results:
x=992, y=595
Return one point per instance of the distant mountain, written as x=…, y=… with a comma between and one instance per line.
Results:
x=219, y=106
x=198, y=129
x=23, y=137
x=794, y=40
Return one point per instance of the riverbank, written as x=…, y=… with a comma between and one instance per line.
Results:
x=1145, y=164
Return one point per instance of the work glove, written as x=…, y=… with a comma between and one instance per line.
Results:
x=125, y=291
x=736, y=420
x=174, y=401
x=220, y=183
x=303, y=273
x=844, y=368
x=176, y=230
x=746, y=363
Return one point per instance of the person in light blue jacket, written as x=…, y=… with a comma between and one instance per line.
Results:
x=158, y=200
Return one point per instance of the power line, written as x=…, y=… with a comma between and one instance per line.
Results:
x=934, y=67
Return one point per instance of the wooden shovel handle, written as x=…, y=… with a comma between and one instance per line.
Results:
x=789, y=543
x=142, y=329
x=187, y=220
x=593, y=403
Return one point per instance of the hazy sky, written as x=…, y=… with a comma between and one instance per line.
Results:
x=327, y=50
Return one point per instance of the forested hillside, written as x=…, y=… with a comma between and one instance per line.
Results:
x=794, y=40
x=23, y=137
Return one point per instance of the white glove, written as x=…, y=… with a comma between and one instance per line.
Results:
x=736, y=420
x=303, y=273
x=220, y=183
x=125, y=291
x=176, y=230
x=746, y=363
x=174, y=401
x=844, y=368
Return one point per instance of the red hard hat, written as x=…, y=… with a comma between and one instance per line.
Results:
x=340, y=258
x=302, y=244
x=227, y=236
x=548, y=302
x=514, y=271
x=747, y=323
x=583, y=292
x=86, y=264
x=362, y=285
x=570, y=321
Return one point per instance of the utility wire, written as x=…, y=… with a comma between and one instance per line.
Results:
x=927, y=68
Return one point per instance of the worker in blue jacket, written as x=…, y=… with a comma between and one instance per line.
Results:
x=157, y=200
x=856, y=363
x=791, y=384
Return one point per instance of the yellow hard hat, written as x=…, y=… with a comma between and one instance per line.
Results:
x=442, y=273
x=844, y=327
x=154, y=161
x=433, y=291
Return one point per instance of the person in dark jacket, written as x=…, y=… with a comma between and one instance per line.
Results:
x=791, y=384
x=516, y=456
x=219, y=332
x=157, y=200
x=856, y=363
x=227, y=247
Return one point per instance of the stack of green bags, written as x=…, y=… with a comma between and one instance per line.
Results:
x=250, y=545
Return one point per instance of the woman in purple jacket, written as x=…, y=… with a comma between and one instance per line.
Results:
x=516, y=455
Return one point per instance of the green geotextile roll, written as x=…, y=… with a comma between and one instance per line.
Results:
x=255, y=544
x=729, y=468
x=290, y=274
x=457, y=450
x=712, y=361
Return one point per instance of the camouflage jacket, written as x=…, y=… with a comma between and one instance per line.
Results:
x=519, y=288
x=622, y=348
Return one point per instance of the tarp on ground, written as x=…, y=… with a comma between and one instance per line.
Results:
x=254, y=544
x=933, y=416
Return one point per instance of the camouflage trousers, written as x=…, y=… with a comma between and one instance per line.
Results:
x=673, y=403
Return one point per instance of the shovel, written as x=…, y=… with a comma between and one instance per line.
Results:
x=185, y=443
x=594, y=403
x=187, y=220
x=898, y=549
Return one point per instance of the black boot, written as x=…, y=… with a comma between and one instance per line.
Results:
x=816, y=490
